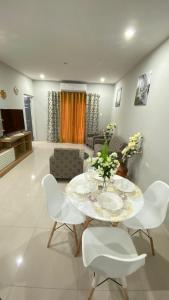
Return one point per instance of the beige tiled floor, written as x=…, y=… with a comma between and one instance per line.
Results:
x=28, y=270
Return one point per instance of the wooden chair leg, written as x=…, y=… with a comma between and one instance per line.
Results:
x=51, y=234
x=151, y=243
x=124, y=286
x=91, y=293
x=86, y=223
x=115, y=224
x=76, y=239
x=152, y=246
x=94, y=284
x=126, y=293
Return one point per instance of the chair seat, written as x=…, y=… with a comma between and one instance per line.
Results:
x=146, y=219
x=68, y=214
x=60, y=208
x=108, y=241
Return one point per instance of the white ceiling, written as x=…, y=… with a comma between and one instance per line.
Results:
x=38, y=36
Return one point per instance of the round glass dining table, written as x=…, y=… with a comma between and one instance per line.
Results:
x=84, y=193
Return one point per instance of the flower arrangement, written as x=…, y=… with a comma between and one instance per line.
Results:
x=105, y=164
x=108, y=132
x=134, y=146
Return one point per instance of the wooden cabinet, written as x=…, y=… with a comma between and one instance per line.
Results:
x=22, y=145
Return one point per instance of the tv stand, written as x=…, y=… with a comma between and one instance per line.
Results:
x=13, y=149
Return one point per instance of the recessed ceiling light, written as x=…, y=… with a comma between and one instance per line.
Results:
x=102, y=79
x=42, y=76
x=129, y=33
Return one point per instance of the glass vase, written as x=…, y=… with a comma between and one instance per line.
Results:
x=105, y=184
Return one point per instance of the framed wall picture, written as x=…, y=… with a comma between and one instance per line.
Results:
x=16, y=90
x=3, y=94
x=118, y=97
x=142, y=91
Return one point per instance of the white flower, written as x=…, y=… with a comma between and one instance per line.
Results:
x=114, y=154
x=94, y=159
x=98, y=153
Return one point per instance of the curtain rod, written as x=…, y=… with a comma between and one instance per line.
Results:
x=71, y=91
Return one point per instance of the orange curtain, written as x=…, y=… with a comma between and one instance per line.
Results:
x=73, y=117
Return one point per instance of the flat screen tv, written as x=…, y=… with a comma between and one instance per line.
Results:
x=12, y=120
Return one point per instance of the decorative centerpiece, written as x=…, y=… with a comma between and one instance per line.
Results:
x=108, y=132
x=105, y=164
x=134, y=147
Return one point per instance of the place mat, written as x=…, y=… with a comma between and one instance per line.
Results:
x=83, y=197
x=135, y=194
x=119, y=216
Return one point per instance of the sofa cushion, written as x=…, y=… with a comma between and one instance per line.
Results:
x=69, y=153
x=66, y=163
x=116, y=144
x=97, y=148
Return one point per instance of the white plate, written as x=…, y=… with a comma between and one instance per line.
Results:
x=85, y=188
x=110, y=201
x=124, y=185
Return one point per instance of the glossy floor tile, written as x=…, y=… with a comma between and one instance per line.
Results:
x=112, y=295
x=53, y=267
x=28, y=270
x=4, y=291
x=13, y=244
x=19, y=293
x=157, y=295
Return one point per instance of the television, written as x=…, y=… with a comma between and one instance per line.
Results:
x=12, y=120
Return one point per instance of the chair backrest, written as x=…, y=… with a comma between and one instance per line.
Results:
x=113, y=253
x=54, y=196
x=116, y=267
x=66, y=154
x=157, y=194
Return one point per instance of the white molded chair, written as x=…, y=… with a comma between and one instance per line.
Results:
x=60, y=208
x=154, y=211
x=110, y=252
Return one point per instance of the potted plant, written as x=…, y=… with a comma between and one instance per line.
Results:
x=133, y=147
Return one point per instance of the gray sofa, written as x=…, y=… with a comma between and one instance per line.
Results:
x=91, y=137
x=66, y=163
x=116, y=144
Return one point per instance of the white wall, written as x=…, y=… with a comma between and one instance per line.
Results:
x=151, y=120
x=106, y=92
x=41, y=89
x=9, y=78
